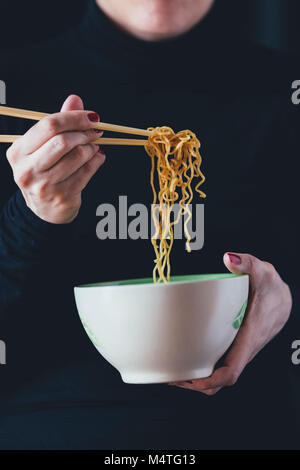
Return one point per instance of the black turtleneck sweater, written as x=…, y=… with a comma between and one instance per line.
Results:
x=56, y=391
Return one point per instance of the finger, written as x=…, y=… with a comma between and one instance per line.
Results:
x=72, y=103
x=239, y=263
x=71, y=162
x=59, y=146
x=221, y=377
x=78, y=181
x=211, y=391
x=195, y=387
x=52, y=125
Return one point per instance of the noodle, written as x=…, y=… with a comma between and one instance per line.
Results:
x=175, y=162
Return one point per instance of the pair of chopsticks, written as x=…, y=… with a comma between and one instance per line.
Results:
x=37, y=116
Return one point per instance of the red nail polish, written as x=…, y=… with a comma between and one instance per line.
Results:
x=234, y=259
x=94, y=117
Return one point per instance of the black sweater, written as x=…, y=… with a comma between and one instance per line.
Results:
x=56, y=390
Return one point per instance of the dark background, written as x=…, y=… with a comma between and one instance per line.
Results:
x=271, y=22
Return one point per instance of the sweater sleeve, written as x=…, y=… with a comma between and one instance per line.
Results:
x=26, y=242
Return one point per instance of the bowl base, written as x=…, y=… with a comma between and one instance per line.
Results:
x=157, y=377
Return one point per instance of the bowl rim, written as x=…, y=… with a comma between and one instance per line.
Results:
x=175, y=280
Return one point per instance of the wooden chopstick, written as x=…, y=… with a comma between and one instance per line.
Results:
x=37, y=116
x=100, y=141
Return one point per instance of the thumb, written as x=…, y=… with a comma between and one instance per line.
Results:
x=72, y=103
x=242, y=263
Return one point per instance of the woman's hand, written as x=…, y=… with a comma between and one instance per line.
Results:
x=268, y=310
x=53, y=162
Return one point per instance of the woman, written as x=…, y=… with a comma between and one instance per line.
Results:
x=141, y=63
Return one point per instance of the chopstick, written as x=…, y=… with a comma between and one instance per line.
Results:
x=37, y=116
x=100, y=141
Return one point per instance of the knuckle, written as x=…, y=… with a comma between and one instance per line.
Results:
x=92, y=150
x=210, y=392
x=81, y=151
x=24, y=178
x=91, y=135
x=251, y=264
x=13, y=152
x=88, y=167
x=10, y=153
x=262, y=270
x=60, y=143
x=287, y=300
x=60, y=199
x=95, y=149
x=254, y=264
x=232, y=379
x=269, y=268
x=288, y=293
x=63, y=202
x=51, y=124
x=270, y=273
x=41, y=189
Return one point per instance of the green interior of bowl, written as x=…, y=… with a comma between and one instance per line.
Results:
x=149, y=280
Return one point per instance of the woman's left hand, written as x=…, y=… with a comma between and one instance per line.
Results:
x=268, y=310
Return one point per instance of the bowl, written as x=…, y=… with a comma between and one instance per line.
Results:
x=155, y=333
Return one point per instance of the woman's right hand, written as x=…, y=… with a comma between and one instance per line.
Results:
x=54, y=161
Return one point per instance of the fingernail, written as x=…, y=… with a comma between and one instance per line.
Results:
x=98, y=131
x=94, y=117
x=234, y=259
x=101, y=151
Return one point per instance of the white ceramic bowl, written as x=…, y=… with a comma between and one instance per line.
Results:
x=156, y=333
